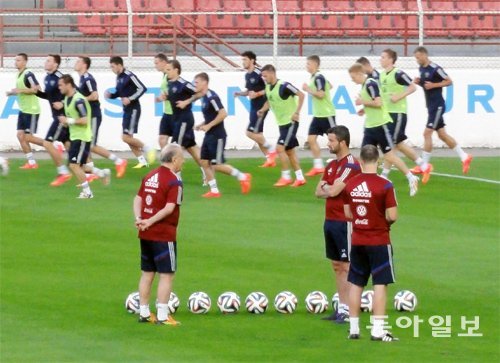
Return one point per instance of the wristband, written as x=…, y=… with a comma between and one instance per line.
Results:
x=70, y=121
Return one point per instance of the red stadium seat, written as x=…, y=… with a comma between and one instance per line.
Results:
x=471, y=5
x=366, y=5
x=76, y=5
x=252, y=25
x=439, y=5
x=157, y=5
x=289, y=25
x=91, y=25
x=181, y=5
x=315, y=5
x=260, y=5
x=406, y=25
x=235, y=5
x=120, y=5
x=118, y=25
x=289, y=5
x=222, y=24
x=339, y=6
x=382, y=26
x=485, y=26
x=325, y=26
x=459, y=26
x=354, y=26
x=145, y=25
x=392, y=5
x=434, y=26
x=208, y=5
x=104, y=6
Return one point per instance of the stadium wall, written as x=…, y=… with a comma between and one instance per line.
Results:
x=473, y=109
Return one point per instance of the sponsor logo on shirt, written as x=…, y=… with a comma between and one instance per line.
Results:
x=152, y=182
x=361, y=210
x=361, y=221
x=361, y=191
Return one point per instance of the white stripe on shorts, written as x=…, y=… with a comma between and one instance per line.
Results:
x=398, y=127
x=349, y=239
x=172, y=255
x=133, y=121
x=389, y=252
x=220, y=150
x=94, y=131
x=289, y=134
x=388, y=136
x=331, y=121
x=80, y=152
x=437, y=117
x=32, y=124
x=182, y=131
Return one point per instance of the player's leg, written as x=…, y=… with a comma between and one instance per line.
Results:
x=165, y=131
x=207, y=154
x=184, y=136
x=166, y=268
x=219, y=165
x=78, y=153
x=25, y=128
x=130, y=125
x=294, y=161
x=452, y=144
x=318, y=127
x=148, y=269
x=286, y=177
x=255, y=132
x=359, y=273
x=57, y=132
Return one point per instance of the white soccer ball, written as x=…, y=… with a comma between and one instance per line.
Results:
x=405, y=300
x=173, y=303
x=285, y=302
x=256, y=303
x=132, y=303
x=367, y=301
x=199, y=303
x=228, y=302
x=316, y=302
x=335, y=301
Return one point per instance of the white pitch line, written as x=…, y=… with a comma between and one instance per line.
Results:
x=467, y=178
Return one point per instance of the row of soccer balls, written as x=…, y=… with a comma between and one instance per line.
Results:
x=285, y=302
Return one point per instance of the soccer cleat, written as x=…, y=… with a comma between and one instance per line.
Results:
x=246, y=184
x=29, y=166
x=416, y=170
x=106, y=179
x=84, y=195
x=387, y=337
x=91, y=177
x=466, y=164
x=151, y=156
x=283, y=182
x=331, y=317
x=211, y=195
x=140, y=166
x=315, y=171
x=413, y=186
x=298, y=183
x=121, y=167
x=426, y=174
x=342, y=318
x=169, y=321
x=60, y=180
x=353, y=336
x=268, y=164
x=148, y=319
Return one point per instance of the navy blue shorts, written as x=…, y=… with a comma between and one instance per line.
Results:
x=78, y=152
x=288, y=135
x=398, y=127
x=130, y=122
x=436, y=120
x=256, y=124
x=213, y=149
x=57, y=131
x=320, y=125
x=166, y=125
x=158, y=256
x=96, y=124
x=27, y=122
x=371, y=260
x=379, y=136
x=337, y=240
x=183, y=130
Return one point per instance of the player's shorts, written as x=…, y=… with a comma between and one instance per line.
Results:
x=130, y=122
x=78, y=152
x=27, y=122
x=371, y=260
x=166, y=125
x=95, y=124
x=256, y=124
x=398, y=127
x=320, y=125
x=158, y=256
x=288, y=135
x=337, y=240
x=436, y=120
x=183, y=130
x=57, y=131
x=213, y=149
x=379, y=136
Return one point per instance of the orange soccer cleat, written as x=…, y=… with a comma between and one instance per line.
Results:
x=210, y=195
x=91, y=177
x=268, y=164
x=121, y=167
x=246, y=184
x=60, y=180
x=283, y=182
x=315, y=171
x=416, y=170
x=466, y=164
x=29, y=166
x=169, y=321
x=298, y=183
x=426, y=174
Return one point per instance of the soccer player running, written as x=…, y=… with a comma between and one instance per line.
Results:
x=337, y=228
x=256, y=92
x=167, y=122
x=156, y=209
x=323, y=111
x=281, y=100
x=395, y=86
x=377, y=122
x=88, y=88
x=129, y=88
x=370, y=201
x=29, y=109
x=368, y=68
x=212, y=149
x=432, y=79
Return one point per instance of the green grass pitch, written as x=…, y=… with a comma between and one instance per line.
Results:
x=67, y=266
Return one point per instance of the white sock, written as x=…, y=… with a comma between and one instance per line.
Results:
x=113, y=157
x=162, y=312
x=385, y=172
x=238, y=174
x=144, y=310
x=377, y=327
x=343, y=308
x=213, y=186
x=142, y=159
x=86, y=188
x=318, y=163
x=203, y=173
x=410, y=176
x=462, y=154
x=98, y=172
x=285, y=174
x=146, y=148
x=63, y=169
x=30, y=158
x=426, y=157
x=299, y=175
x=354, y=325
x=267, y=145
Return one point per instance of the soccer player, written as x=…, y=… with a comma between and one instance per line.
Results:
x=432, y=79
x=156, y=210
x=29, y=109
x=166, y=123
x=4, y=164
x=88, y=88
x=337, y=228
x=212, y=149
x=395, y=86
x=323, y=111
x=256, y=92
x=368, y=69
x=57, y=131
x=377, y=122
x=281, y=100
x=129, y=88
x=370, y=202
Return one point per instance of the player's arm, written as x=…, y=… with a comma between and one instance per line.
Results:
x=391, y=206
x=221, y=114
x=241, y=93
x=190, y=89
x=82, y=113
x=347, y=211
x=264, y=109
x=404, y=80
x=30, y=82
x=445, y=80
x=161, y=214
x=137, y=209
x=290, y=90
x=139, y=86
x=320, y=82
x=92, y=87
x=391, y=214
x=374, y=92
x=329, y=190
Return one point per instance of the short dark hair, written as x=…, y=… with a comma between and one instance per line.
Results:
x=67, y=79
x=420, y=50
x=176, y=65
x=57, y=58
x=202, y=76
x=85, y=60
x=162, y=57
x=356, y=68
x=363, y=60
x=392, y=54
x=314, y=58
x=268, y=68
x=250, y=55
x=116, y=60
x=23, y=55
x=369, y=154
x=341, y=132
